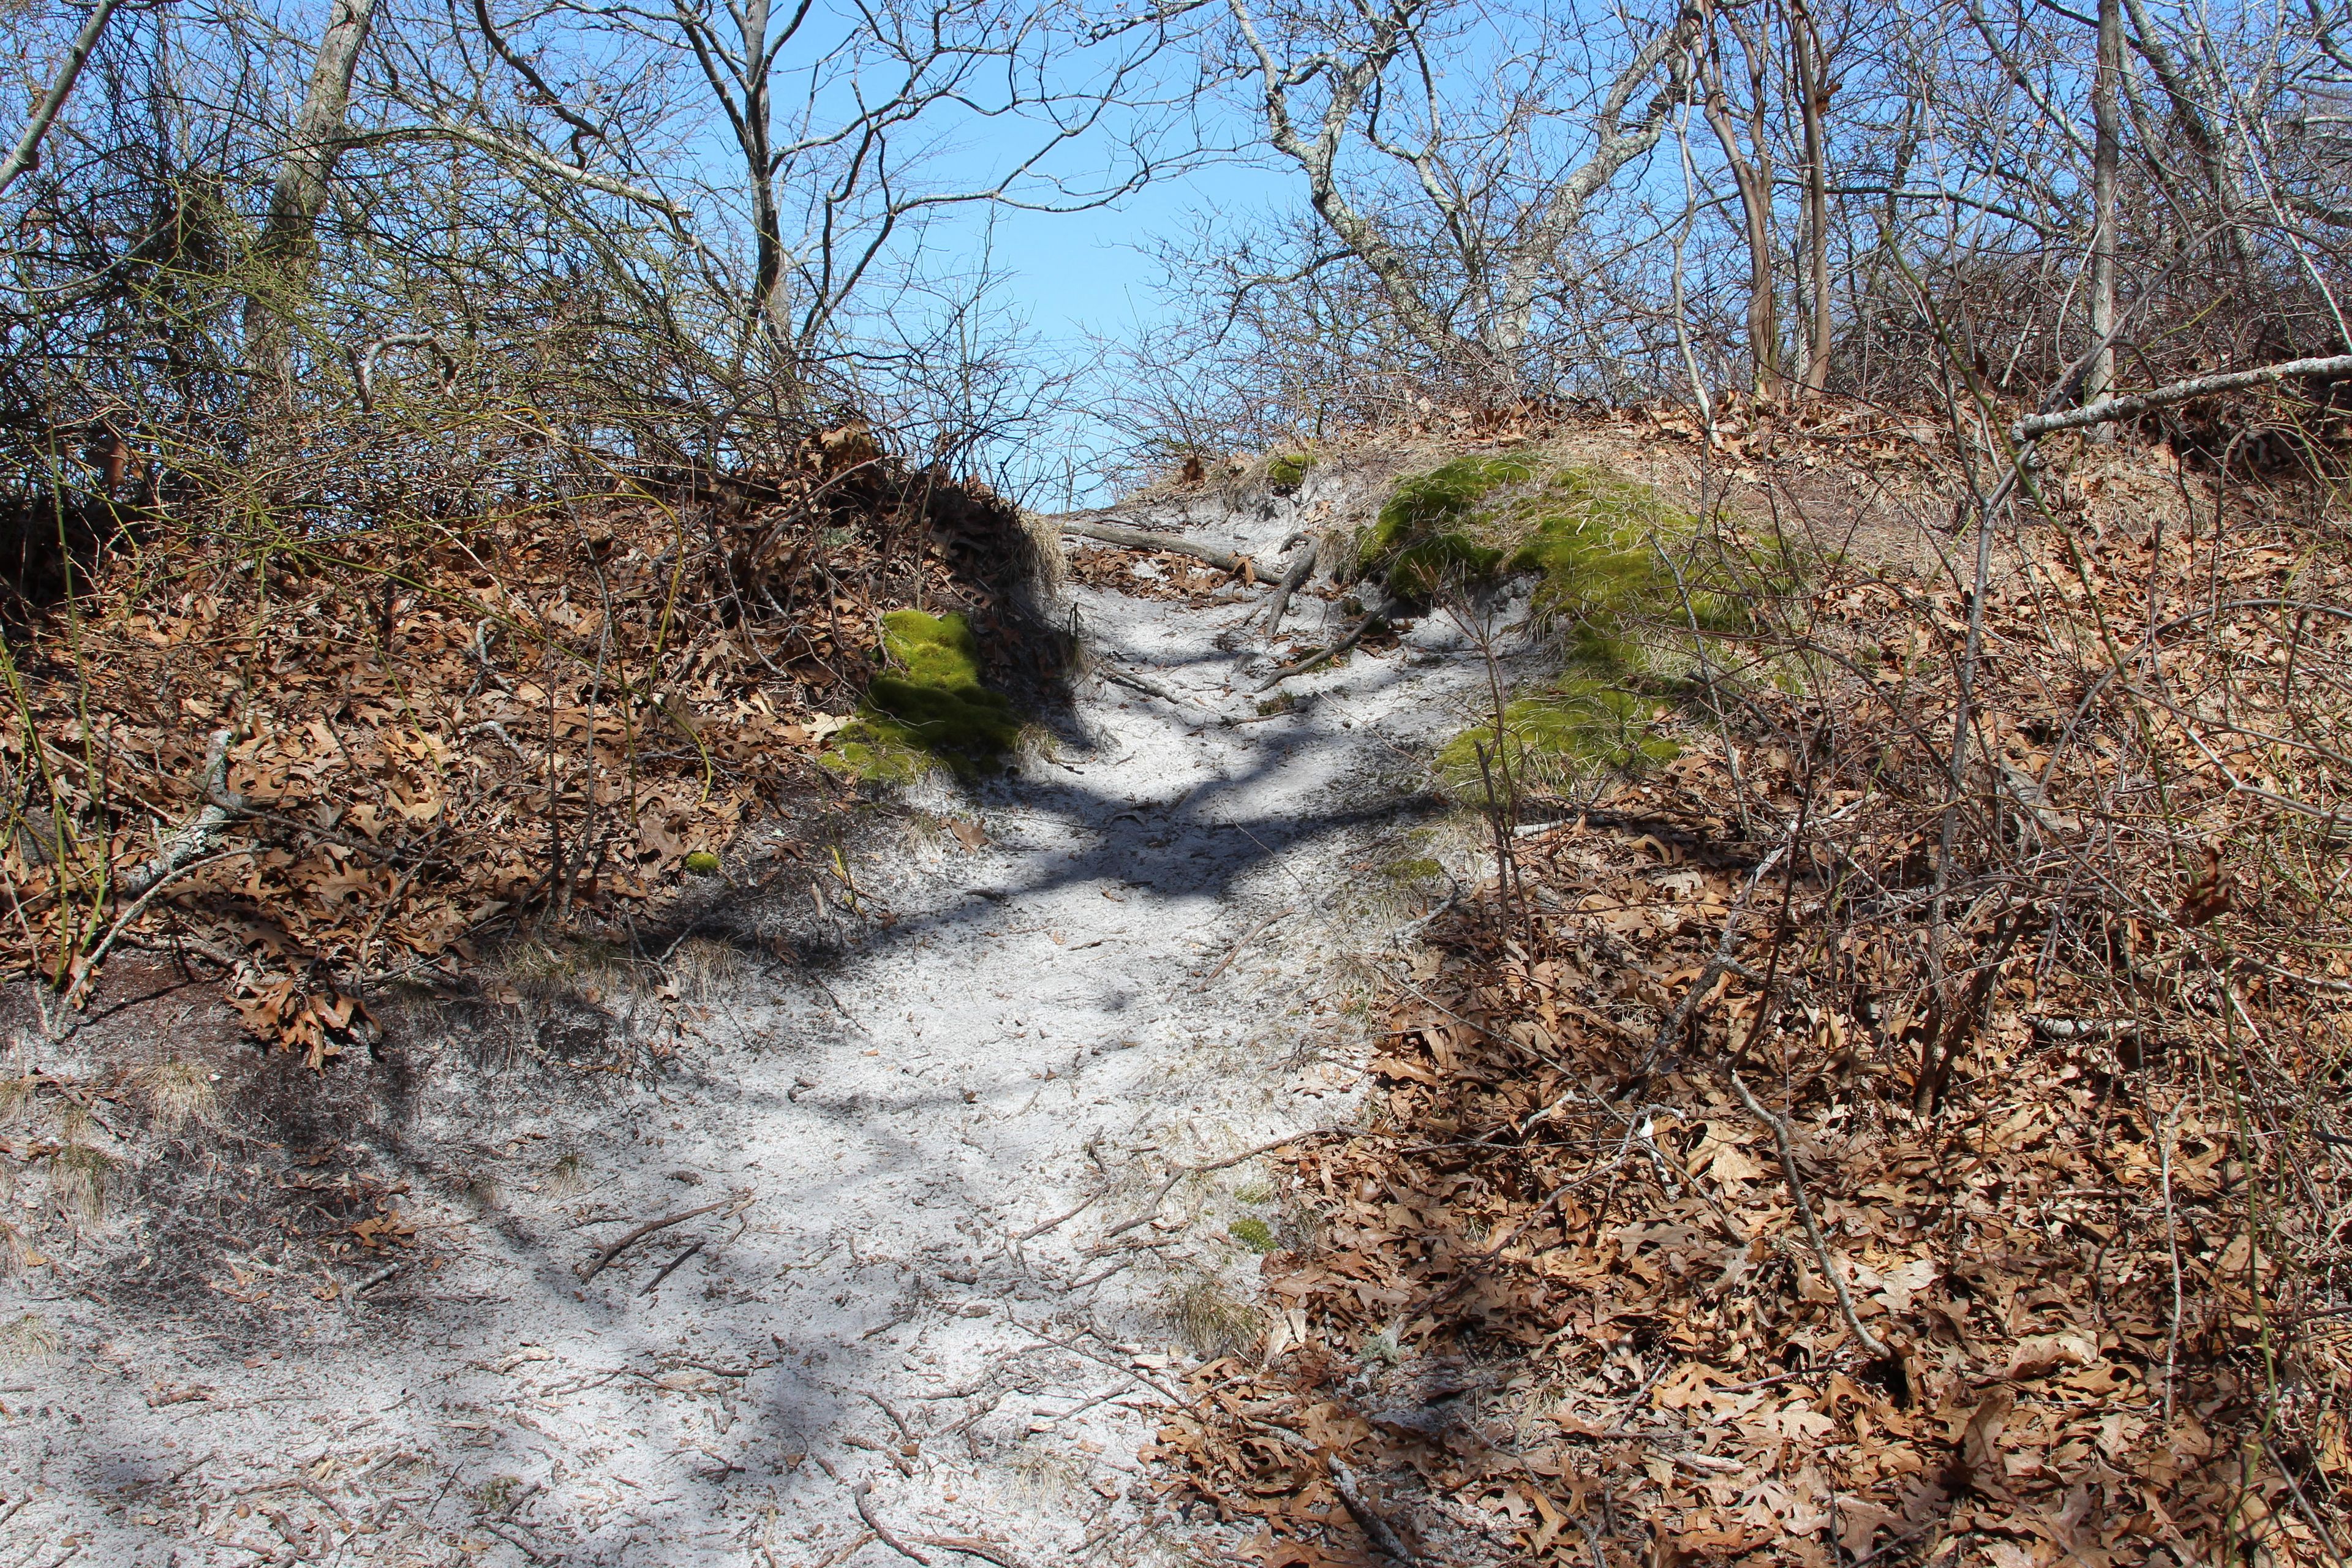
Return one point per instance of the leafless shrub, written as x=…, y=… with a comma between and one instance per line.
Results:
x=2067, y=810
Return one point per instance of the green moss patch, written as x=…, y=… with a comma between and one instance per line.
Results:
x=1597, y=544
x=1253, y=1233
x=928, y=709
x=1421, y=868
x=1590, y=535
x=1551, y=735
x=1430, y=524
x=1285, y=472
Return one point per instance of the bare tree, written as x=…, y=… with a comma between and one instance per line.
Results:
x=2106, y=90
x=1809, y=65
x=835, y=121
x=299, y=192
x=1749, y=162
x=1448, y=203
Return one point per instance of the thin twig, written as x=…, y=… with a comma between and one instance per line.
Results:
x=1805, y=1212
x=1235, y=952
x=1716, y=967
x=2172, y=1247
x=122, y=921
x=671, y=1268
x=596, y=1266
x=1035, y=1231
x=845, y=1553
x=2310, y=1515
x=860, y=1494
x=896, y=1419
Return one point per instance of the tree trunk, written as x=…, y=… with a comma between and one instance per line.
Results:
x=289, y=235
x=1813, y=94
x=768, y=264
x=1754, y=177
x=2106, y=158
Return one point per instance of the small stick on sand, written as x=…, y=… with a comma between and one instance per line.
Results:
x=1226, y=1163
x=865, y=1512
x=1369, y=623
x=971, y=1547
x=1235, y=952
x=596, y=1266
x=671, y=1268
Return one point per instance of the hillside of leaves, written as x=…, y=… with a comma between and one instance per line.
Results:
x=1908, y=1127
x=322, y=757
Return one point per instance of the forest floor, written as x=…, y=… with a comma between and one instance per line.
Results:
x=1087, y=987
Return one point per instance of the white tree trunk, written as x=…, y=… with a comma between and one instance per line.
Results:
x=288, y=235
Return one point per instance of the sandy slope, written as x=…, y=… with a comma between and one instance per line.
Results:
x=854, y=1342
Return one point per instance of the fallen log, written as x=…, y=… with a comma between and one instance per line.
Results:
x=1168, y=543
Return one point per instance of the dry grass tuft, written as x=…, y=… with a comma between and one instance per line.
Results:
x=702, y=968
x=1211, y=1321
x=78, y=1181
x=29, y=1338
x=566, y=1176
x=179, y=1092
x=591, y=970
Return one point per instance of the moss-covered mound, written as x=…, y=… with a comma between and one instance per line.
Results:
x=928, y=709
x=1431, y=527
x=1599, y=546
x=1591, y=536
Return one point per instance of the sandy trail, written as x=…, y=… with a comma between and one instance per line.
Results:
x=851, y=1343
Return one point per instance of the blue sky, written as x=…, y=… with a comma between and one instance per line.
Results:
x=1093, y=269
x=1081, y=277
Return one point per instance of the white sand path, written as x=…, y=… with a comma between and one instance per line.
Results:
x=853, y=1340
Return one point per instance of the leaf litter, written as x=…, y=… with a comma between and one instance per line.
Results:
x=2076, y=1290
x=321, y=759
